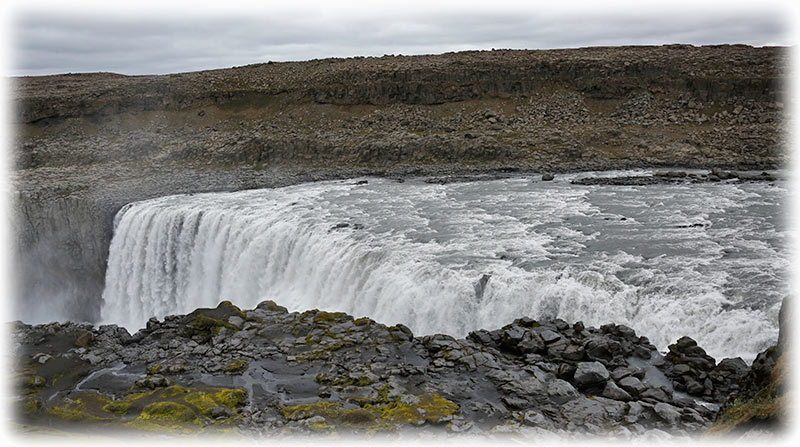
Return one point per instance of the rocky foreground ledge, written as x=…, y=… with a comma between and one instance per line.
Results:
x=270, y=372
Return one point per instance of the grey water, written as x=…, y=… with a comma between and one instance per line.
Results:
x=706, y=260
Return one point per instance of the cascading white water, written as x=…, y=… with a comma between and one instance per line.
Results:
x=701, y=260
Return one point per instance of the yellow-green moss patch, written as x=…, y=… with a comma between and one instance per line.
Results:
x=175, y=408
x=166, y=417
x=329, y=317
x=431, y=408
x=427, y=408
x=329, y=410
x=769, y=405
x=362, y=321
x=205, y=326
x=229, y=397
x=172, y=391
x=271, y=305
x=87, y=408
x=236, y=366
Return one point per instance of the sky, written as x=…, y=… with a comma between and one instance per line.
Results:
x=46, y=37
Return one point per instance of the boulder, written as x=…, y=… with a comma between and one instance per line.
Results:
x=612, y=391
x=589, y=374
x=668, y=413
x=632, y=385
x=560, y=391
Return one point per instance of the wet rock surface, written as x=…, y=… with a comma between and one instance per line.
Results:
x=676, y=177
x=269, y=372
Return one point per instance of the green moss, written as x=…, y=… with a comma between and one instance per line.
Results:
x=231, y=309
x=172, y=391
x=155, y=369
x=318, y=426
x=434, y=408
x=172, y=409
x=328, y=410
x=202, y=401
x=118, y=407
x=236, y=366
x=329, y=317
x=166, y=417
x=431, y=408
x=31, y=383
x=207, y=323
x=357, y=417
x=383, y=392
x=31, y=406
x=87, y=408
x=206, y=327
x=271, y=305
x=768, y=406
x=230, y=397
x=342, y=381
x=362, y=321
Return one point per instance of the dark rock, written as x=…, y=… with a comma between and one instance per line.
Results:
x=568, y=352
x=548, y=177
x=602, y=349
x=656, y=394
x=514, y=402
x=548, y=336
x=560, y=391
x=481, y=336
x=693, y=387
x=530, y=343
x=589, y=374
x=668, y=413
x=480, y=287
x=612, y=391
x=360, y=367
x=632, y=385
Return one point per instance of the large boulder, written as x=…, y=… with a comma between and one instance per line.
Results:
x=590, y=374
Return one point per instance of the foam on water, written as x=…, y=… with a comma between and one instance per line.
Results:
x=707, y=261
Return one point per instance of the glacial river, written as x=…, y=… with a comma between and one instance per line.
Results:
x=705, y=260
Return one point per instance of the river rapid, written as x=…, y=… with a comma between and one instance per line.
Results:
x=708, y=260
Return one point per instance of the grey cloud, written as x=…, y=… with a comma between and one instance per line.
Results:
x=141, y=44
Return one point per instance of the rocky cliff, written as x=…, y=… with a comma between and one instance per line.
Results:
x=86, y=144
x=268, y=372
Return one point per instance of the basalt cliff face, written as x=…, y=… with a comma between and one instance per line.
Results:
x=86, y=144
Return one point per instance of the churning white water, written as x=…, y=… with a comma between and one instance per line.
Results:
x=705, y=260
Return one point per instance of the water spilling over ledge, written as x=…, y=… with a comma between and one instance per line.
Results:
x=668, y=260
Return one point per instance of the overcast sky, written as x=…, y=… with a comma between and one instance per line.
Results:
x=48, y=38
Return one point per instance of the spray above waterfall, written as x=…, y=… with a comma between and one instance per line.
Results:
x=459, y=257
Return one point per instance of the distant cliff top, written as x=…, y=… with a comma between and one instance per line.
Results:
x=599, y=72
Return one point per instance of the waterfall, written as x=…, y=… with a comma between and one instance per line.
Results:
x=437, y=258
